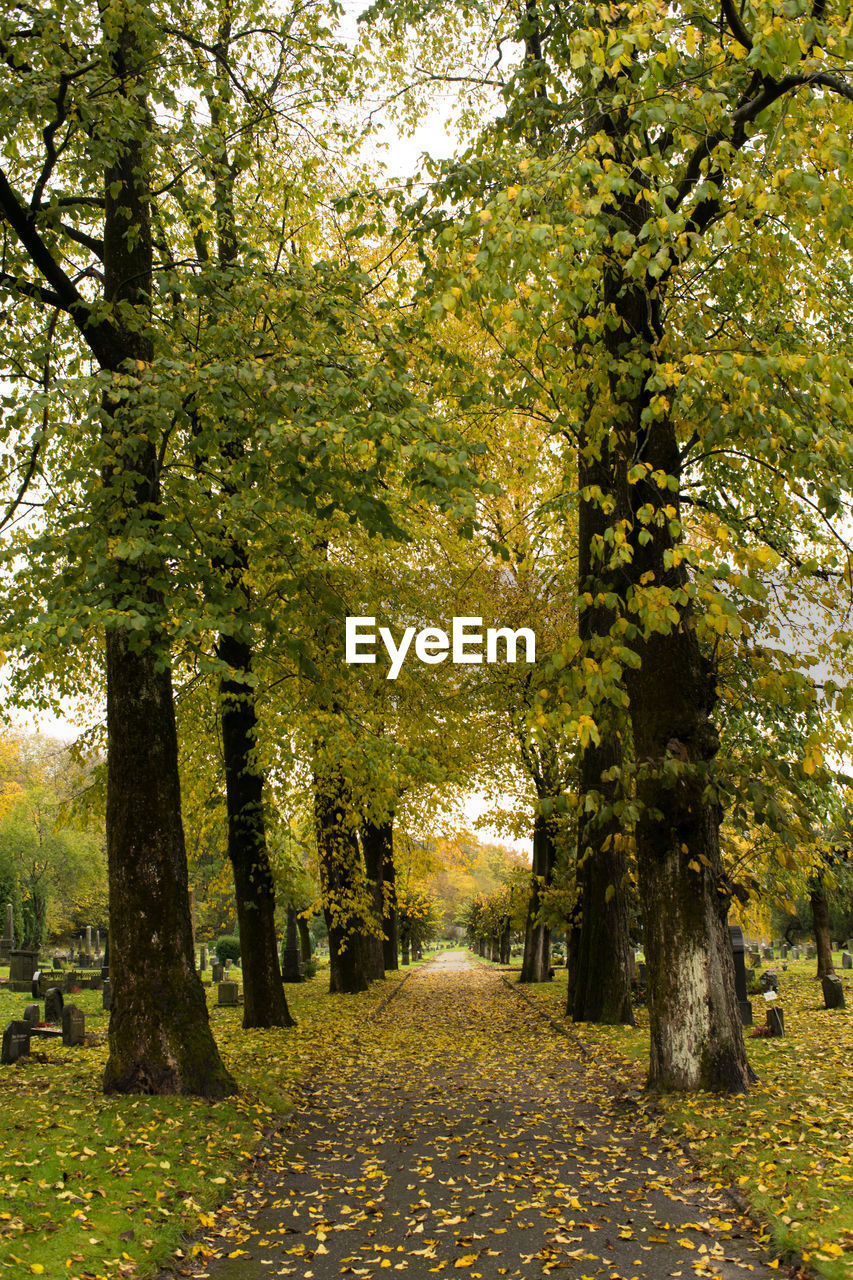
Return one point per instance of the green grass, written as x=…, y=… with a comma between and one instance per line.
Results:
x=787, y=1146
x=104, y=1187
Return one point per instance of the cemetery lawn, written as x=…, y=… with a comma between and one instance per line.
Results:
x=108, y=1187
x=786, y=1148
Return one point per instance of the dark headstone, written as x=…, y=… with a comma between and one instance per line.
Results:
x=846, y=960
x=776, y=1021
x=107, y=996
x=769, y=980
x=833, y=992
x=53, y=1003
x=22, y=966
x=73, y=1025
x=217, y=970
x=738, y=954
x=32, y=1014
x=641, y=972
x=229, y=993
x=16, y=1042
x=202, y=958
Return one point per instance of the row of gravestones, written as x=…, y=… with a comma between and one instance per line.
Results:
x=833, y=990
x=19, y=1032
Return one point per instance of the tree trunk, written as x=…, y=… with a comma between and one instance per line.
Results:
x=404, y=946
x=375, y=841
x=601, y=975
x=536, y=965
x=304, y=938
x=696, y=1033
x=159, y=1037
x=342, y=884
x=264, y=1000
x=390, y=916
x=505, y=943
x=823, y=941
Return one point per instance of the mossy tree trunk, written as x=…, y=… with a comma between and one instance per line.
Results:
x=374, y=838
x=264, y=1000
x=822, y=936
x=536, y=964
x=342, y=885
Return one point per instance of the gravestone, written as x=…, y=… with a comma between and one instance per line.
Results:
x=738, y=953
x=32, y=1014
x=784, y=951
x=107, y=995
x=22, y=966
x=811, y=951
x=795, y=954
x=833, y=992
x=776, y=1021
x=769, y=953
x=770, y=980
x=228, y=964
x=846, y=960
x=53, y=1003
x=217, y=970
x=202, y=958
x=7, y=942
x=291, y=959
x=641, y=973
x=58, y=960
x=16, y=1042
x=73, y=1025
x=229, y=993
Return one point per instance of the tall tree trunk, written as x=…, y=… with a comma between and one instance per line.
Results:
x=601, y=977
x=823, y=940
x=505, y=942
x=304, y=938
x=264, y=1000
x=696, y=1033
x=159, y=1037
x=390, y=915
x=374, y=838
x=342, y=885
x=536, y=964
x=600, y=986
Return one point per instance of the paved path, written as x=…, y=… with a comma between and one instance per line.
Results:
x=461, y=1135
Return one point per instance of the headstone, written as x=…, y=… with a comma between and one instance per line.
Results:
x=73, y=1025
x=202, y=958
x=217, y=970
x=53, y=1003
x=784, y=951
x=291, y=960
x=738, y=954
x=58, y=960
x=35, y=988
x=846, y=960
x=16, y=1042
x=795, y=954
x=770, y=980
x=97, y=942
x=229, y=993
x=32, y=1014
x=22, y=966
x=776, y=1021
x=811, y=951
x=228, y=964
x=641, y=972
x=769, y=953
x=107, y=995
x=833, y=992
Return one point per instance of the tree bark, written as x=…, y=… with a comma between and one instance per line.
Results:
x=601, y=977
x=159, y=1037
x=375, y=841
x=341, y=881
x=264, y=1000
x=823, y=940
x=304, y=938
x=536, y=964
x=390, y=916
x=696, y=1033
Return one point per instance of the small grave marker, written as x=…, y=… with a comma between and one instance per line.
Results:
x=16, y=1042
x=833, y=992
x=53, y=1003
x=73, y=1025
x=32, y=1014
x=229, y=993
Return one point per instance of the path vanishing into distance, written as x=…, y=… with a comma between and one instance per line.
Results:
x=461, y=1135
